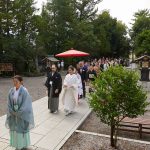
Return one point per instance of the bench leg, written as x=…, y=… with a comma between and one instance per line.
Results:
x=140, y=130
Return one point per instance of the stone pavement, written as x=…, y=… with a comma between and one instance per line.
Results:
x=51, y=130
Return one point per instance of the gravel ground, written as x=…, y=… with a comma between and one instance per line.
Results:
x=93, y=124
x=33, y=84
x=80, y=141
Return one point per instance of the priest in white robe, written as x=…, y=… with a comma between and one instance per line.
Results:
x=80, y=88
x=69, y=94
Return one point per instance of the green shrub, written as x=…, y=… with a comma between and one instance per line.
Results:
x=117, y=95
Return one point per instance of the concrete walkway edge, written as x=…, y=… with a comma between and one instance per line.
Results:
x=73, y=130
x=108, y=136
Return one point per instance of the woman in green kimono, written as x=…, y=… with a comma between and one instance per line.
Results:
x=19, y=115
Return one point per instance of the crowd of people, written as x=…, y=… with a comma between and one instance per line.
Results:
x=20, y=118
x=88, y=70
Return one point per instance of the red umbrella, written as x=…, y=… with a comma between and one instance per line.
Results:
x=72, y=53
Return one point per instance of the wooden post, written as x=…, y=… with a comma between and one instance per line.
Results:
x=140, y=130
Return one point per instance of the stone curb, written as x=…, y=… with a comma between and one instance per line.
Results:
x=108, y=136
x=73, y=130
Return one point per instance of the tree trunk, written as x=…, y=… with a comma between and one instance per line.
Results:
x=112, y=141
x=116, y=134
x=36, y=63
x=7, y=20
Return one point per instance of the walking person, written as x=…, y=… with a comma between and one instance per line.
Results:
x=62, y=65
x=69, y=94
x=82, y=71
x=19, y=115
x=54, y=86
x=80, y=88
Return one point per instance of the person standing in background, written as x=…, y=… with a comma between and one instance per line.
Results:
x=91, y=74
x=97, y=70
x=54, y=86
x=80, y=88
x=59, y=66
x=19, y=115
x=82, y=71
x=106, y=65
x=62, y=65
x=102, y=65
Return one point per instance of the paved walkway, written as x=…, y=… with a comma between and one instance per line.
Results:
x=51, y=130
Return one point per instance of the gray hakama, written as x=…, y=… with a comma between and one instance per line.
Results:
x=53, y=102
x=54, y=86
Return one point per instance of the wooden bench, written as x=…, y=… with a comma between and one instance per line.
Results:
x=130, y=124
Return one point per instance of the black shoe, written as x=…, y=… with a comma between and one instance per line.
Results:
x=51, y=111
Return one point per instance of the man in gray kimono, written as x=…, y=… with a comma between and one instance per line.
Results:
x=54, y=86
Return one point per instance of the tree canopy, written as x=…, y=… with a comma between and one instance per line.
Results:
x=140, y=31
x=62, y=24
x=17, y=31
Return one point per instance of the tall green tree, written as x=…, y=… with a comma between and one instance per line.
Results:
x=86, y=9
x=69, y=25
x=112, y=35
x=120, y=44
x=6, y=24
x=60, y=17
x=18, y=31
x=102, y=26
x=84, y=37
x=141, y=24
x=142, y=42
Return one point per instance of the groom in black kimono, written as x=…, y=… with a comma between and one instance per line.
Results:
x=54, y=86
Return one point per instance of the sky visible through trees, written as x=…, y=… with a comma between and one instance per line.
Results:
x=27, y=36
x=121, y=9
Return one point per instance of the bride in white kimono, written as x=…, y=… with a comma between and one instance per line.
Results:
x=69, y=94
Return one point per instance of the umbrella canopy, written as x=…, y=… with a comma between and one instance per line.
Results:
x=72, y=53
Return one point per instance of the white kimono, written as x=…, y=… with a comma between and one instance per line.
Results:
x=69, y=94
x=80, y=88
